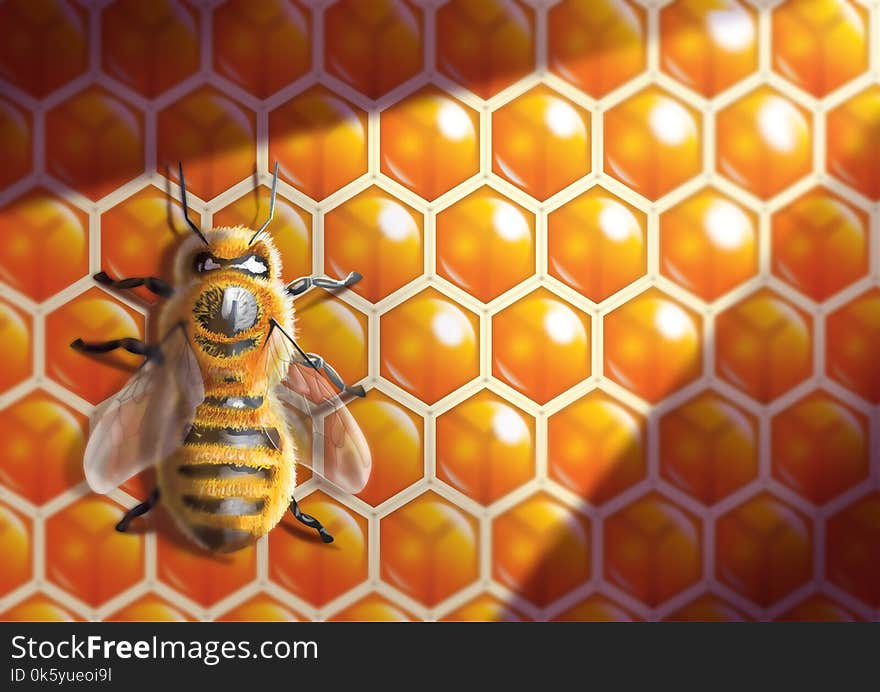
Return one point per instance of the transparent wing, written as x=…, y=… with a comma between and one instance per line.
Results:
x=148, y=419
x=329, y=439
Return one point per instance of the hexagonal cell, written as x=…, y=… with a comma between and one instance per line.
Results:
x=820, y=244
x=541, y=142
x=16, y=127
x=653, y=142
x=373, y=608
x=818, y=608
x=820, y=447
x=764, y=142
x=485, y=244
x=851, y=330
x=541, y=549
x=373, y=46
x=212, y=135
x=310, y=569
x=595, y=608
x=396, y=439
x=42, y=45
x=429, y=549
x=763, y=549
x=291, y=228
x=94, y=142
x=45, y=244
x=86, y=556
x=149, y=608
x=15, y=537
x=708, y=447
x=852, y=139
x=707, y=608
x=485, y=45
x=541, y=345
x=16, y=334
x=764, y=345
x=852, y=541
x=91, y=316
x=820, y=46
x=708, y=244
x=652, y=549
x=332, y=328
x=597, y=45
x=429, y=142
x=262, y=46
x=378, y=236
x=149, y=46
x=485, y=608
x=596, y=447
x=38, y=608
x=319, y=140
x=260, y=608
x=708, y=46
x=41, y=446
x=485, y=447
x=653, y=345
x=429, y=345
x=597, y=243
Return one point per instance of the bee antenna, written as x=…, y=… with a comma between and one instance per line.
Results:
x=271, y=206
x=189, y=221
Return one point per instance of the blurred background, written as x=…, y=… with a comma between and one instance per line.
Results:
x=618, y=318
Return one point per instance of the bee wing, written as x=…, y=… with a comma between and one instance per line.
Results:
x=148, y=419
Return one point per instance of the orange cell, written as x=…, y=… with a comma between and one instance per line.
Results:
x=820, y=244
x=763, y=345
x=653, y=142
x=485, y=608
x=373, y=46
x=91, y=316
x=596, y=45
x=149, y=608
x=16, y=330
x=485, y=447
x=41, y=447
x=377, y=236
x=485, y=45
x=396, y=439
x=320, y=141
x=764, y=142
x=429, y=345
x=652, y=549
x=213, y=136
x=596, y=447
x=820, y=44
x=653, y=345
x=708, y=244
x=261, y=608
x=852, y=140
x=290, y=230
x=852, y=332
x=15, y=538
x=541, y=345
x=763, y=549
x=541, y=142
x=708, y=447
x=429, y=142
x=86, y=556
x=373, y=608
x=45, y=244
x=319, y=572
x=42, y=45
x=852, y=544
x=332, y=328
x=94, y=142
x=38, y=608
x=596, y=608
x=597, y=243
x=429, y=549
x=541, y=549
x=707, y=608
x=485, y=244
x=818, y=608
x=262, y=46
x=149, y=46
x=15, y=142
x=820, y=447
x=708, y=46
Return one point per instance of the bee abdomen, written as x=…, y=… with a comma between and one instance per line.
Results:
x=234, y=437
x=225, y=471
x=236, y=506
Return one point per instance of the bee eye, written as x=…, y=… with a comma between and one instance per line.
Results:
x=254, y=264
x=205, y=262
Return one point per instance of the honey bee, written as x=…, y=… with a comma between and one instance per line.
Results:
x=222, y=402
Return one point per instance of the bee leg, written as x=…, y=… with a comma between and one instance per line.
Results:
x=153, y=284
x=135, y=346
x=302, y=284
x=311, y=522
x=137, y=511
x=319, y=363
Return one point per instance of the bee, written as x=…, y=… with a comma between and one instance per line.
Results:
x=222, y=402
